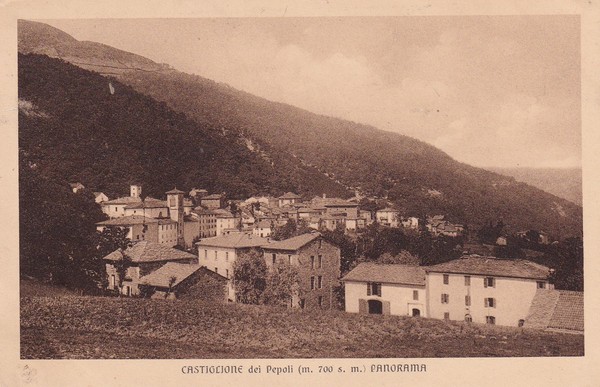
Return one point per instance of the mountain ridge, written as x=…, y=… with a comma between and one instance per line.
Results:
x=417, y=177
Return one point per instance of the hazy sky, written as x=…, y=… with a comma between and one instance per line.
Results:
x=489, y=91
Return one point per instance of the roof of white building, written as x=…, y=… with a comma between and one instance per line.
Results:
x=390, y=274
x=123, y=200
x=290, y=195
x=145, y=251
x=492, y=266
x=237, y=240
x=127, y=221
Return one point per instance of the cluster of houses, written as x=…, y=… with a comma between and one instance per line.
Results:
x=182, y=221
x=474, y=288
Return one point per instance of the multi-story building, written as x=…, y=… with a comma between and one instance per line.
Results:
x=318, y=264
x=219, y=253
x=139, y=228
x=484, y=289
x=388, y=217
x=289, y=198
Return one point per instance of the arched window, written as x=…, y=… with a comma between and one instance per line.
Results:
x=521, y=322
x=468, y=318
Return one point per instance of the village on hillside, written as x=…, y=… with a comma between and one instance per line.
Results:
x=190, y=244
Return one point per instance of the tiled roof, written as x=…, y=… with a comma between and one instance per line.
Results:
x=391, y=274
x=293, y=243
x=263, y=224
x=387, y=209
x=237, y=240
x=202, y=211
x=175, y=191
x=162, y=276
x=221, y=213
x=148, y=203
x=76, y=185
x=145, y=251
x=123, y=200
x=337, y=202
x=290, y=195
x=212, y=197
x=556, y=309
x=492, y=266
x=127, y=221
x=165, y=221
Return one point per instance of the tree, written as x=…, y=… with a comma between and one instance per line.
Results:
x=282, y=285
x=347, y=246
x=403, y=258
x=249, y=277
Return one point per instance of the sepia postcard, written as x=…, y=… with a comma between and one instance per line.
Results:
x=379, y=193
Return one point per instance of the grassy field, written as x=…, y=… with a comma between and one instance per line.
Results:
x=100, y=327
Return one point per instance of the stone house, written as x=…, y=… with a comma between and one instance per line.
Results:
x=318, y=263
x=372, y=288
x=174, y=279
x=212, y=202
x=139, y=260
x=139, y=228
x=100, y=197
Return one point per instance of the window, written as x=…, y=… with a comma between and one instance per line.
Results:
x=415, y=294
x=312, y=261
x=227, y=273
x=374, y=288
x=490, y=320
x=521, y=322
x=468, y=318
x=490, y=302
x=216, y=270
x=215, y=255
x=227, y=256
x=274, y=258
x=445, y=298
x=467, y=300
x=320, y=261
x=446, y=279
x=446, y=315
x=312, y=283
x=320, y=300
x=320, y=282
x=489, y=282
x=467, y=280
x=541, y=284
x=289, y=259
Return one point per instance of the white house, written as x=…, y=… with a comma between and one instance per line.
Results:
x=263, y=229
x=388, y=217
x=386, y=289
x=100, y=197
x=289, y=198
x=484, y=289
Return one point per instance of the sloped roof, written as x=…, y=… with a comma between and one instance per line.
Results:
x=293, y=243
x=337, y=202
x=263, y=224
x=127, y=221
x=188, y=203
x=387, y=209
x=221, y=213
x=148, y=203
x=237, y=240
x=391, y=274
x=290, y=195
x=123, y=200
x=145, y=251
x=175, y=191
x=492, y=266
x=162, y=276
x=76, y=185
x=212, y=197
x=556, y=309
